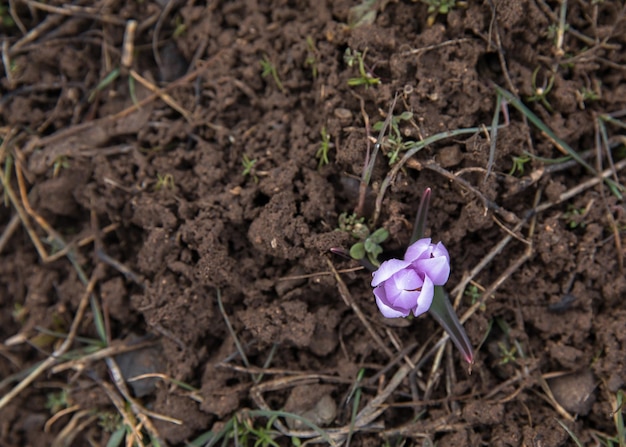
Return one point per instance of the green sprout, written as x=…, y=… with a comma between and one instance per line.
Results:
x=356, y=57
x=269, y=69
x=574, y=217
x=518, y=164
x=394, y=142
x=180, y=27
x=508, y=353
x=5, y=17
x=443, y=7
x=586, y=95
x=264, y=436
x=56, y=402
x=61, y=162
x=368, y=244
x=540, y=93
x=322, y=152
x=311, y=59
x=164, y=182
x=474, y=293
x=248, y=167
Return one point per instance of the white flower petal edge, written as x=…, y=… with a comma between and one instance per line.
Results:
x=387, y=269
x=389, y=312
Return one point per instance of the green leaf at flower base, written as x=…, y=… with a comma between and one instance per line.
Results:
x=379, y=236
x=442, y=311
x=357, y=251
x=373, y=249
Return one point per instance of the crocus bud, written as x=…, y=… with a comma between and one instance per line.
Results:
x=405, y=286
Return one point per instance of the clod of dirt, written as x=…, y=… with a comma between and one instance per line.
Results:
x=449, y=156
x=575, y=392
x=313, y=403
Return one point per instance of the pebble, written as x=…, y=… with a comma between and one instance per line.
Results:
x=575, y=392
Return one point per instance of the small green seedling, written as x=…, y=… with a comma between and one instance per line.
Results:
x=540, y=93
x=311, y=59
x=164, y=182
x=351, y=58
x=474, y=294
x=325, y=145
x=269, y=69
x=368, y=244
x=394, y=142
x=5, y=17
x=180, y=27
x=518, y=164
x=585, y=95
x=56, y=402
x=248, y=167
x=370, y=247
x=507, y=353
x=574, y=217
x=61, y=162
x=443, y=7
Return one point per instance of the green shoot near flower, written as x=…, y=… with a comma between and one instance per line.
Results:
x=365, y=78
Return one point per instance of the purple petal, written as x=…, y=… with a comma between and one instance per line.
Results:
x=387, y=269
x=388, y=311
x=407, y=279
x=440, y=250
x=437, y=269
x=419, y=249
x=426, y=297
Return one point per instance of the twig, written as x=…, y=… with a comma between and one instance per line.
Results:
x=347, y=298
x=54, y=357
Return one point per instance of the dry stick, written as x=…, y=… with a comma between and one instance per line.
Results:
x=53, y=358
x=16, y=18
x=50, y=21
x=9, y=230
x=77, y=11
x=488, y=204
x=69, y=432
x=120, y=405
x=347, y=299
x=138, y=409
x=80, y=243
x=23, y=217
x=109, y=351
x=256, y=393
x=436, y=46
x=58, y=415
x=167, y=99
x=66, y=133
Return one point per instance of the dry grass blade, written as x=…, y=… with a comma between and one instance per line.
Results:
x=65, y=346
x=347, y=298
x=167, y=99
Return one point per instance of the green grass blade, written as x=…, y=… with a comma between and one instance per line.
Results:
x=615, y=188
x=494, y=136
x=571, y=434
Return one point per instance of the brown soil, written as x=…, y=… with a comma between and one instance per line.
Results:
x=176, y=223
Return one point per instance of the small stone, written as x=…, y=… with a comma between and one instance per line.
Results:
x=449, y=156
x=575, y=392
x=344, y=116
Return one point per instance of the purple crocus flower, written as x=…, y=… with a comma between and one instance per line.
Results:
x=405, y=286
